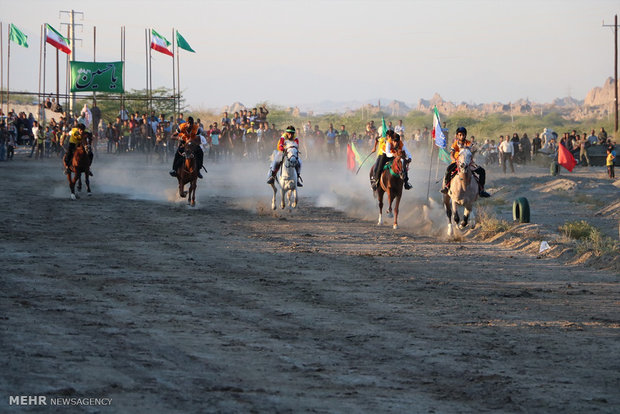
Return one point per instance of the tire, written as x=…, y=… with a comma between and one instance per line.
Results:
x=554, y=168
x=521, y=210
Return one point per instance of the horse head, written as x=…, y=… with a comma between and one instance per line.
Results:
x=292, y=157
x=465, y=159
x=190, y=150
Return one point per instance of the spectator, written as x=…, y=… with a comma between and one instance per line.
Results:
x=602, y=136
x=536, y=144
x=609, y=162
x=583, y=149
x=506, y=152
x=593, y=139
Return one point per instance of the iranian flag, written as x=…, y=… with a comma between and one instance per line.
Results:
x=56, y=39
x=440, y=139
x=160, y=43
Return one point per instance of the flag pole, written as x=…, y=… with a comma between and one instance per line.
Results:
x=146, y=40
x=150, y=74
x=94, y=53
x=174, y=101
x=430, y=168
x=179, y=80
x=8, y=70
x=40, y=67
x=360, y=167
x=1, y=71
x=44, y=44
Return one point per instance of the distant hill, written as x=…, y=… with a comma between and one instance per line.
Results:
x=598, y=104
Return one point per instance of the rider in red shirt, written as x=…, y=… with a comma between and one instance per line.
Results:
x=286, y=140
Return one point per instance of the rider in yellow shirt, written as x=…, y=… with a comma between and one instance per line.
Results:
x=379, y=146
x=76, y=137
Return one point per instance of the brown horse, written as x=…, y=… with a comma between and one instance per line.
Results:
x=80, y=164
x=188, y=173
x=391, y=182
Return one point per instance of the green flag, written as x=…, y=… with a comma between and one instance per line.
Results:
x=97, y=76
x=18, y=36
x=182, y=43
x=383, y=128
x=444, y=156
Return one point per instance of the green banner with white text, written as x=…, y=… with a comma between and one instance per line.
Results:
x=97, y=77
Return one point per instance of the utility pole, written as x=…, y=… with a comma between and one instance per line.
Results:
x=615, y=26
x=71, y=26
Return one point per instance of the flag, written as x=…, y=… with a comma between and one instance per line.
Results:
x=17, y=36
x=444, y=156
x=56, y=39
x=97, y=76
x=358, y=158
x=565, y=158
x=160, y=43
x=383, y=128
x=440, y=139
x=350, y=158
x=182, y=43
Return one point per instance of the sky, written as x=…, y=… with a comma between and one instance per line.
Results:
x=299, y=53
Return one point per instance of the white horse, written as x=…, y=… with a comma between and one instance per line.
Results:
x=463, y=192
x=287, y=179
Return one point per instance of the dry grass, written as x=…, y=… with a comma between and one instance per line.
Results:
x=590, y=239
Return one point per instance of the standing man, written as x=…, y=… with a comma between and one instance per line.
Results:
x=507, y=153
x=96, y=114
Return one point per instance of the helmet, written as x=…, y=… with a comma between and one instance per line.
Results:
x=462, y=130
x=82, y=126
x=190, y=120
x=290, y=129
x=396, y=137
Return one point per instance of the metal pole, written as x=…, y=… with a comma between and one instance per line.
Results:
x=173, y=76
x=150, y=75
x=40, y=67
x=8, y=71
x=44, y=45
x=94, y=53
x=616, y=71
x=146, y=41
x=57, y=80
x=179, y=80
x=1, y=71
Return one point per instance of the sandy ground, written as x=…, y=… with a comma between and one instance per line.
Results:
x=129, y=294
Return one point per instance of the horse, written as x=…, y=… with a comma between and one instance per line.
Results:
x=287, y=179
x=80, y=164
x=391, y=182
x=463, y=191
x=188, y=173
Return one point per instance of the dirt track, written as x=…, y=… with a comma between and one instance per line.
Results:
x=131, y=295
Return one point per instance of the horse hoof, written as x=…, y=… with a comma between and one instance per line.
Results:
x=73, y=197
x=390, y=214
x=395, y=226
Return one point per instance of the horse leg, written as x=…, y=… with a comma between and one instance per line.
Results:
x=79, y=181
x=380, y=199
x=87, y=179
x=273, y=199
x=182, y=192
x=191, y=198
x=284, y=195
x=390, y=197
x=71, y=186
x=448, y=207
x=294, y=197
x=397, y=200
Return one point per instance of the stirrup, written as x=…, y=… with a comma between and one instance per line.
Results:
x=173, y=173
x=408, y=186
x=270, y=180
x=90, y=173
x=299, y=184
x=484, y=194
x=199, y=175
x=444, y=190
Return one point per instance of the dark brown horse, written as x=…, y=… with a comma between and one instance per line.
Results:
x=80, y=164
x=188, y=173
x=391, y=182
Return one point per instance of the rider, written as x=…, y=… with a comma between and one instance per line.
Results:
x=392, y=147
x=287, y=139
x=75, y=139
x=380, y=144
x=188, y=132
x=459, y=143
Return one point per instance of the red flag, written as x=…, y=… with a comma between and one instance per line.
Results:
x=350, y=158
x=565, y=158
